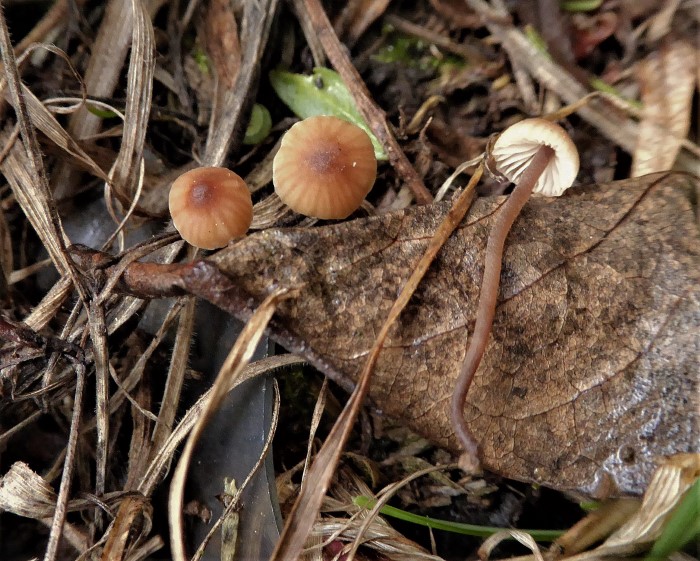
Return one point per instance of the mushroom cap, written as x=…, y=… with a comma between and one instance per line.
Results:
x=324, y=168
x=515, y=147
x=210, y=207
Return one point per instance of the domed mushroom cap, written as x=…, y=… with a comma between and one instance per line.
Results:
x=324, y=168
x=210, y=207
x=516, y=146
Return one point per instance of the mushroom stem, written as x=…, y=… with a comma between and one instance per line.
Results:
x=487, y=301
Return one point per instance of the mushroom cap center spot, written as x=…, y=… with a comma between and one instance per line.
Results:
x=201, y=194
x=324, y=160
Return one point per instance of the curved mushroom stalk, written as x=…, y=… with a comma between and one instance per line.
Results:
x=539, y=156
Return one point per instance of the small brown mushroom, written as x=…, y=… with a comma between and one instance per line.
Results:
x=210, y=207
x=539, y=156
x=324, y=168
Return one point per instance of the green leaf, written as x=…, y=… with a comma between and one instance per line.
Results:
x=581, y=5
x=455, y=527
x=259, y=125
x=321, y=93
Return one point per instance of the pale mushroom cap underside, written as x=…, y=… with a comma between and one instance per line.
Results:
x=324, y=168
x=517, y=145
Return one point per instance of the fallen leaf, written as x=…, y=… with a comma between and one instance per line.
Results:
x=365, y=14
x=592, y=368
x=456, y=14
x=220, y=37
x=667, y=79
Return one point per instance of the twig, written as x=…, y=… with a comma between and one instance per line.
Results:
x=68, y=464
x=464, y=50
x=547, y=72
x=226, y=126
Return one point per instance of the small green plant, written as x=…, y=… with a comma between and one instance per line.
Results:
x=259, y=125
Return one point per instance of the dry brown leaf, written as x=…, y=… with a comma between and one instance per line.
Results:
x=667, y=79
x=455, y=13
x=220, y=37
x=592, y=371
x=26, y=493
x=367, y=12
x=592, y=368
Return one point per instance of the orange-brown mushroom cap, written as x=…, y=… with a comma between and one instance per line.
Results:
x=324, y=168
x=210, y=207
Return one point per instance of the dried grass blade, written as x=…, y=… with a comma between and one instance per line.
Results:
x=33, y=193
x=68, y=464
x=233, y=366
x=29, y=182
x=96, y=322
x=525, y=539
x=39, y=210
x=162, y=456
x=104, y=69
x=308, y=503
x=225, y=123
x=139, y=88
x=319, y=408
x=176, y=375
x=25, y=493
x=47, y=123
x=46, y=310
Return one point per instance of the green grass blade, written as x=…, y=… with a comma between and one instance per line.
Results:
x=454, y=527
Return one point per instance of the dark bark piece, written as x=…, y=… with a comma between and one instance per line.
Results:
x=592, y=369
